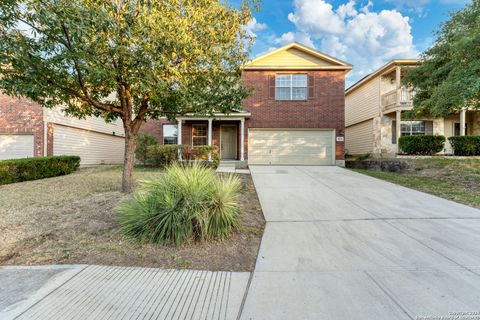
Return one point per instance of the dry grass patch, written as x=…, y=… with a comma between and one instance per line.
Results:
x=453, y=179
x=73, y=219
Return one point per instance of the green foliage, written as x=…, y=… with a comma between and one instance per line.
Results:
x=449, y=76
x=162, y=155
x=17, y=170
x=465, y=145
x=165, y=154
x=362, y=157
x=201, y=153
x=160, y=58
x=186, y=203
x=143, y=142
x=422, y=144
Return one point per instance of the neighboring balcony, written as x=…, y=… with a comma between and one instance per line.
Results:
x=398, y=99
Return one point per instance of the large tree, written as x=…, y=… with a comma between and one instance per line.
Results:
x=128, y=59
x=449, y=77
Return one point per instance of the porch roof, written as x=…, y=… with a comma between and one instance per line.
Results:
x=237, y=115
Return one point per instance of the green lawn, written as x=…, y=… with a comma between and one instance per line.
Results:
x=453, y=179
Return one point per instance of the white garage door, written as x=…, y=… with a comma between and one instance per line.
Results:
x=291, y=147
x=92, y=147
x=13, y=146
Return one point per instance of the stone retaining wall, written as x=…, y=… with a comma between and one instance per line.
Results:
x=378, y=165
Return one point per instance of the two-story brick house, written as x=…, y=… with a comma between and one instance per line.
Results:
x=294, y=116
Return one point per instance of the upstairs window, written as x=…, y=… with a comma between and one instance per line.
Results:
x=170, y=134
x=291, y=86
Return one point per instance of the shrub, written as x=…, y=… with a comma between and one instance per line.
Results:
x=143, y=142
x=465, y=145
x=201, y=153
x=363, y=157
x=164, y=155
x=422, y=144
x=17, y=170
x=185, y=203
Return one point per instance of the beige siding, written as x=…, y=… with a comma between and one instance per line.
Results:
x=363, y=103
x=359, y=138
x=92, y=147
x=90, y=123
x=291, y=58
x=291, y=147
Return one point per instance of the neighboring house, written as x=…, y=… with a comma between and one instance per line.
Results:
x=294, y=116
x=374, y=119
x=28, y=130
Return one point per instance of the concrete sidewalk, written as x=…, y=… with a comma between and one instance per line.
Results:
x=337, y=245
x=340, y=245
x=102, y=292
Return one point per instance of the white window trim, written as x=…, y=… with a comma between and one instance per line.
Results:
x=291, y=86
x=206, y=136
x=411, y=132
x=163, y=132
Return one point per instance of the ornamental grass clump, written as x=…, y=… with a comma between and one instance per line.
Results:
x=186, y=203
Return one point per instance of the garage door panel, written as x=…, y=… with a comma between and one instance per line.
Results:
x=291, y=147
x=92, y=147
x=14, y=146
x=317, y=152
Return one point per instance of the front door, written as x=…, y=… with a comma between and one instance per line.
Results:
x=456, y=129
x=228, y=142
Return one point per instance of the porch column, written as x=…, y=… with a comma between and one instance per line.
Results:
x=398, y=118
x=242, y=139
x=398, y=77
x=210, y=137
x=179, y=139
x=462, y=122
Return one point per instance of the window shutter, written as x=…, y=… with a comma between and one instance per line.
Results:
x=311, y=87
x=394, y=132
x=271, y=86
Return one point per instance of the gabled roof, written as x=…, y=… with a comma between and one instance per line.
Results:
x=384, y=69
x=296, y=56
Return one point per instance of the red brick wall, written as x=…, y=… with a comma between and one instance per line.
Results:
x=326, y=109
x=154, y=128
x=24, y=117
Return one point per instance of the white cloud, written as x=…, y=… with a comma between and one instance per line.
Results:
x=315, y=16
x=347, y=10
x=300, y=37
x=254, y=26
x=359, y=35
x=410, y=5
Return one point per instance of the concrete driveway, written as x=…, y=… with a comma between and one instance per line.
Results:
x=341, y=245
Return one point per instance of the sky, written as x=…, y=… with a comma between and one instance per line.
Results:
x=366, y=34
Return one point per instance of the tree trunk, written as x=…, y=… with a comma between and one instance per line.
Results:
x=129, y=161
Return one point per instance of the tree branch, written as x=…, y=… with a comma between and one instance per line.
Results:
x=141, y=113
x=86, y=95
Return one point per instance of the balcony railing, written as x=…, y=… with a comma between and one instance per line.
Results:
x=402, y=97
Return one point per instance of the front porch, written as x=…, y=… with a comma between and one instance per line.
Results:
x=227, y=132
x=393, y=125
